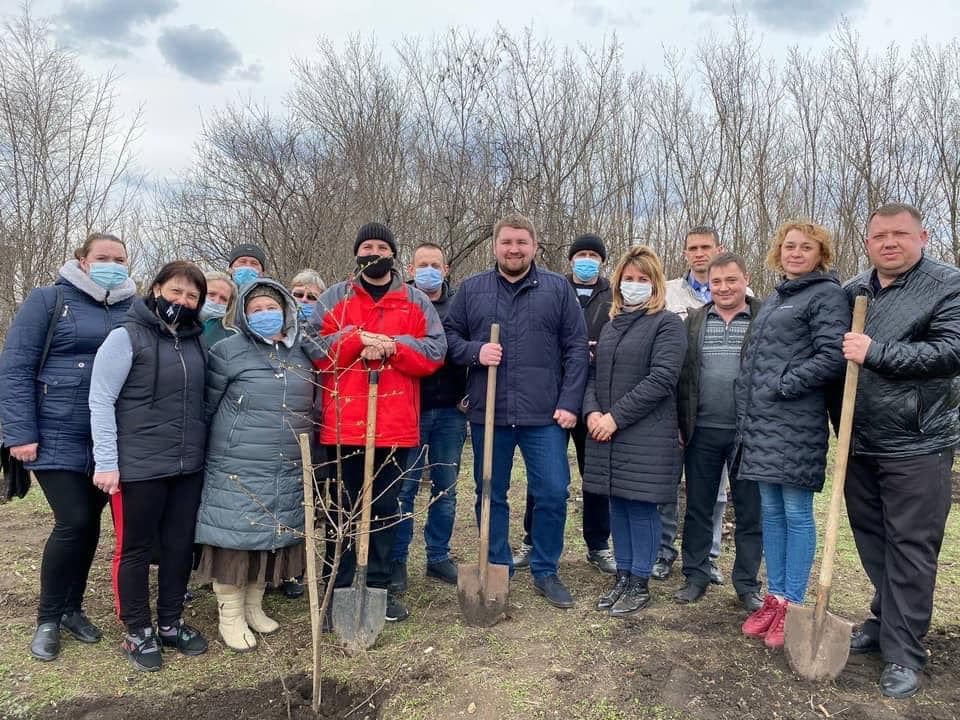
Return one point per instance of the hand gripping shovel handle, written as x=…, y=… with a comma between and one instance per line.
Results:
x=488, y=462
x=839, y=471
x=366, y=496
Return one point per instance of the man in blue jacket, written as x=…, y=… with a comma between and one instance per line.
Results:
x=542, y=358
x=587, y=254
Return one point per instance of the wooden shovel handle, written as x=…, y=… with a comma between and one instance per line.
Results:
x=488, y=460
x=366, y=496
x=840, y=468
x=309, y=508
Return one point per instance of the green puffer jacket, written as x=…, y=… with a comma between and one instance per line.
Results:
x=259, y=399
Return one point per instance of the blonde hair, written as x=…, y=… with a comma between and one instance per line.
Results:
x=230, y=316
x=648, y=262
x=308, y=277
x=811, y=230
x=516, y=221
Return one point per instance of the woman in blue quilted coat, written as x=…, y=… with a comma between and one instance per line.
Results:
x=45, y=421
x=260, y=385
x=792, y=354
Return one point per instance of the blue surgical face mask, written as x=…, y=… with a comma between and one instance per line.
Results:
x=429, y=279
x=306, y=310
x=212, y=309
x=108, y=275
x=635, y=293
x=266, y=323
x=245, y=275
x=586, y=269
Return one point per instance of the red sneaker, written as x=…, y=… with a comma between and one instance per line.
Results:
x=756, y=625
x=774, y=637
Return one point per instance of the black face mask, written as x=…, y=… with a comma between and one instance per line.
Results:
x=174, y=313
x=374, y=266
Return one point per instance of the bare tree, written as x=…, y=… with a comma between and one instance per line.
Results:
x=448, y=134
x=65, y=157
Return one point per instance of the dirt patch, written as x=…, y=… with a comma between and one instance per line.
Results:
x=956, y=486
x=669, y=663
x=268, y=701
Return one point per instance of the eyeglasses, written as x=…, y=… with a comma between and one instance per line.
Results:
x=300, y=295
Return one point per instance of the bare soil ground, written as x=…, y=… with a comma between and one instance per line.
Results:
x=671, y=662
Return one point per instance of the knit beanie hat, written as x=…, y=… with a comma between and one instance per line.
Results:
x=248, y=250
x=263, y=291
x=375, y=231
x=588, y=241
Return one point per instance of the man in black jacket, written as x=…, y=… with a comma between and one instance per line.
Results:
x=443, y=430
x=905, y=431
x=587, y=255
x=708, y=420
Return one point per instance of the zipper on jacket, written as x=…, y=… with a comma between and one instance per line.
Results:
x=236, y=419
x=183, y=426
x=753, y=365
x=282, y=375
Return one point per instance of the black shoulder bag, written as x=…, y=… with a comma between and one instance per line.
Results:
x=16, y=478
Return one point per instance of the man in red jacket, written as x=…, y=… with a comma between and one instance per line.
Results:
x=374, y=320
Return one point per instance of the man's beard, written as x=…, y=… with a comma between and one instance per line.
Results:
x=513, y=273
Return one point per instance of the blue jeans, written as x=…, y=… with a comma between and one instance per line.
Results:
x=442, y=434
x=635, y=526
x=789, y=539
x=544, y=450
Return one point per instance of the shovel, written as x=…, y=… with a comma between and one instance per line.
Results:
x=483, y=588
x=358, y=612
x=816, y=642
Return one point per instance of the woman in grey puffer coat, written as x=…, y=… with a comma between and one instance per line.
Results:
x=793, y=353
x=260, y=394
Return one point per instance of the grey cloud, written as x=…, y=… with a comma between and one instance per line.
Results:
x=810, y=16
x=598, y=12
x=109, y=26
x=205, y=54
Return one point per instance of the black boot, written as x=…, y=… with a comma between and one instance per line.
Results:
x=45, y=645
x=634, y=598
x=620, y=584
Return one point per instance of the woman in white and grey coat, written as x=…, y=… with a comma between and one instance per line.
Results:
x=260, y=394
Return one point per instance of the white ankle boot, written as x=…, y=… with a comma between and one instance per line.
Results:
x=233, y=625
x=253, y=610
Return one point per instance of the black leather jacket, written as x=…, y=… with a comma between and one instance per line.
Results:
x=909, y=393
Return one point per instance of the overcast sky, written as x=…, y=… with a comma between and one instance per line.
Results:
x=184, y=58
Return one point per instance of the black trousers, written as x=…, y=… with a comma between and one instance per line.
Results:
x=704, y=458
x=77, y=506
x=596, y=508
x=144, y=512
x=898, y=509
x=388, y=466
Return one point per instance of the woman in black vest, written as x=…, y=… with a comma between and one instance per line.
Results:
x=149, y=437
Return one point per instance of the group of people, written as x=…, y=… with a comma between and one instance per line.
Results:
x=183, y=408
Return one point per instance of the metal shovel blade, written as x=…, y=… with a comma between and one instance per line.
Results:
x=483, y=606
x=816, y=653
x=358, y=615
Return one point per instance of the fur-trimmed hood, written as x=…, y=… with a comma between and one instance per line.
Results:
x=74, y=274
x=291, y=323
